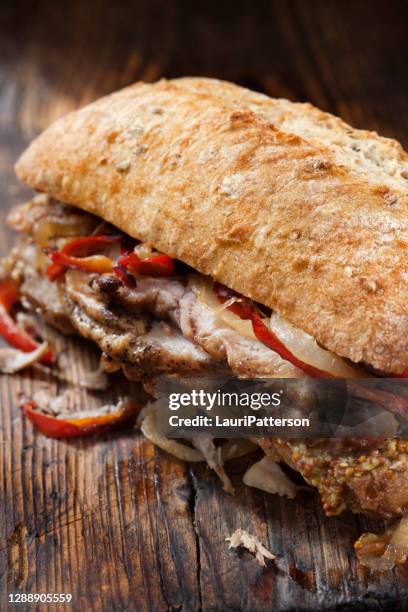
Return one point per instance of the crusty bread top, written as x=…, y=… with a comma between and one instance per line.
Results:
x=280, y=201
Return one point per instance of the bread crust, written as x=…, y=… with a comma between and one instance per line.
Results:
x=211, y=174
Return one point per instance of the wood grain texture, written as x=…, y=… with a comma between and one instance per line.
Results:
x=117, y=523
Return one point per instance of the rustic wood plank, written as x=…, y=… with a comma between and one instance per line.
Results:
x=117, y=523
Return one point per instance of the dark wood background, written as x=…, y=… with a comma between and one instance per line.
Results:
x=115, y=522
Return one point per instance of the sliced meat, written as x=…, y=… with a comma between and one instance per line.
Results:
x=160, y=296
x=173, y=299
x=143, y=345
x=246, y=357
x=160, y=350
x=152, y=346
x=80, y=290
x=39, y=294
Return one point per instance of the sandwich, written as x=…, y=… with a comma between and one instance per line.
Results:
x=191, y=227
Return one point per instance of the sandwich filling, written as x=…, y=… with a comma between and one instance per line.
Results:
x=150, y=316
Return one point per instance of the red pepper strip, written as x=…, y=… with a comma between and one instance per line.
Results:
x=9, y=330
x=242, y=308
x=246, y=309
x=73, y=247
x=267, y=337
x=54, y=271
x=77, y=246
x=54, y=427
x=9, y=294
x=124, y=276
x=94, y=263
x=157, y=265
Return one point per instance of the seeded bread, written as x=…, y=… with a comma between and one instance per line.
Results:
x=280, y=201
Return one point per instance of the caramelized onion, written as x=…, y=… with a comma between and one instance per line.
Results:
x=225, y=452
x=203, y=288
x=13, y=360
x=306, y=349
x=268, y=476
x=59, y=227
x=181, y=451
x=214, y=460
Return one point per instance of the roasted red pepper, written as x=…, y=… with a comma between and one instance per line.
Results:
x=53, y=427
x=124, y=276
x=9, y=294
x=80, y=246
x=246, y=309
x=94, y=263
x=267, y=337
x=242, y=308
x=9, y=330
x=157, y=265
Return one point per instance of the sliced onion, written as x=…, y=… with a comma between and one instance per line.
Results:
x=203, y=288
x=225, y=452
x=206, y=445
x=306, y=349
x=181, y=451
x=268, y=476
x=234, y=448
x=64, y=226
x=13, y=360
x=59, y=227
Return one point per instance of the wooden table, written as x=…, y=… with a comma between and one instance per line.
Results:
x=111, y=520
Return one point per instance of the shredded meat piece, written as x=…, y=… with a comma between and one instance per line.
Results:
x=240, y=537
x=172, y=299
